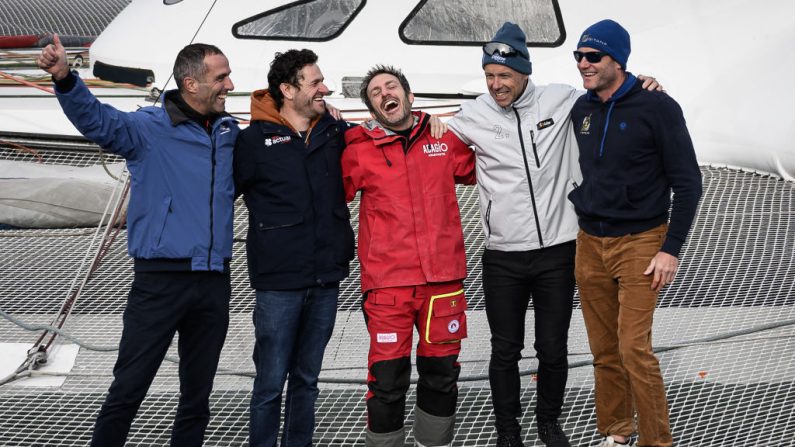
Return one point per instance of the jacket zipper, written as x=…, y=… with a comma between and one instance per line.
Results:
x=535, y=152
x=212, y=196
x=488, y=220
x=527, y=170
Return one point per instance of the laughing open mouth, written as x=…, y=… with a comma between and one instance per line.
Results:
x=390, y=105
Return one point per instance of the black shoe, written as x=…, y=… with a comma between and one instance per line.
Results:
x=509, y=440
x=552, y=435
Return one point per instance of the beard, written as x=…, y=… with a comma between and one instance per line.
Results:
x=397, y=120
x=311, y=109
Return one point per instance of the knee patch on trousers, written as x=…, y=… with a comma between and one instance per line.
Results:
x=386, y=399
x=437, y=387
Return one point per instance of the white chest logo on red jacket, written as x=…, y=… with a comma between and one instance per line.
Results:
x=435, y=149
x=453, y=326
x=276, y=140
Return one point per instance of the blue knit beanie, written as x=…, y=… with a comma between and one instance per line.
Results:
x=609, y=37
x=510, y=34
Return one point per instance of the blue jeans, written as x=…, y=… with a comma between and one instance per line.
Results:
x=292, y=328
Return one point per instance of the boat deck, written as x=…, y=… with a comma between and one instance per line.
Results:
x=724, y=332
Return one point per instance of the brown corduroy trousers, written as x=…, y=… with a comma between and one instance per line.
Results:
x=618, y=308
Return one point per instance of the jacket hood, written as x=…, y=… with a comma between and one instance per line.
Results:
x=373, y=130
x=263, y=108
x=622, y=91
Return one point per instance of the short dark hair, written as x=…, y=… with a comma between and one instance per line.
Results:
x=375, y=71
x=284, y=69
x=190, y=62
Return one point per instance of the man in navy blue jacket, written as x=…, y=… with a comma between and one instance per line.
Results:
x=299, y=243
x=179, y=227
x=634, y=149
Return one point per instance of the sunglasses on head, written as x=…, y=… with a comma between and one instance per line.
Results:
x=592, y=57
x=502, y=49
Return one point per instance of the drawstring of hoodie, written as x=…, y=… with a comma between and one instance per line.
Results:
x=604, y=132
x=383, y=152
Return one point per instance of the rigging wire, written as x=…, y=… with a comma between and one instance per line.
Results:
x=37, y=355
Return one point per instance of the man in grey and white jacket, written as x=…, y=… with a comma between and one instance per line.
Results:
x=527, y=163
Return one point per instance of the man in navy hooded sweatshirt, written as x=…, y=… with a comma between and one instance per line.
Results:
x=634, y=150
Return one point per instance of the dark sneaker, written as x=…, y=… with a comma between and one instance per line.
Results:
x=509, y=440
x=552, y=435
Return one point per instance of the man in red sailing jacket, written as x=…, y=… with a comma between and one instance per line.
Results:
x=411, y=250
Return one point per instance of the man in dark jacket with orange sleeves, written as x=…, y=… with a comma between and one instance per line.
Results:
x=411, y=250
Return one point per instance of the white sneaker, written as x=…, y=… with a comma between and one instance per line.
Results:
x=610, y=442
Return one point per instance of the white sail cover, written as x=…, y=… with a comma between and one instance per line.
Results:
x=54, y=196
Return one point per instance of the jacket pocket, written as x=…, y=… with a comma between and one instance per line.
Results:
x=488, y=220
x=279, y=220
x=281, y=243
x=161, y=218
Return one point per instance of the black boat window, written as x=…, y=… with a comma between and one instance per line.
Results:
x=474, y=22
x=308, y=20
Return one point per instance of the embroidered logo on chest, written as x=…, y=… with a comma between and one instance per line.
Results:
x=435, y=149
x=500, y=133
x=585, y=129
x=270, y=141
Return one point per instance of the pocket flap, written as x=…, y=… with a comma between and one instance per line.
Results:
x=381, y=298
x=448, y=304
x=279, y=220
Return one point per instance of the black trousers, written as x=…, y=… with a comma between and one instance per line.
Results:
x=510, y=279
x=195, y=304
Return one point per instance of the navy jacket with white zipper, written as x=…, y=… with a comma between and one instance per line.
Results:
x=299, y=232
x=634, y=150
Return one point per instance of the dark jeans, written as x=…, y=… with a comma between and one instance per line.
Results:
x=292, y=328
x=195, y=304
x=509, y=280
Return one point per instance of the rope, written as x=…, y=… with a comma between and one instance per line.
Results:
x=38, y=353
x=24, y=149
x=24, y=82
x=705, y=341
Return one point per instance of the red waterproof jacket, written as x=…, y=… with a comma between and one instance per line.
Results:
x=409, y=223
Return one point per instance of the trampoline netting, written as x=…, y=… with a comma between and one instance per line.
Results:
x=724, y=332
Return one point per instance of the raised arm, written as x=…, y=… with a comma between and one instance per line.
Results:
x=110, y=128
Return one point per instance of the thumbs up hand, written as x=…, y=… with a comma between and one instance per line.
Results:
x=53, y=59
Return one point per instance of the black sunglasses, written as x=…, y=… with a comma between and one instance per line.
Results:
x=592, y=57
x=502, y=49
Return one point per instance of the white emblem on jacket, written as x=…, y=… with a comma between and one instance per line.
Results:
x=276, y=140
x=435, y=149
